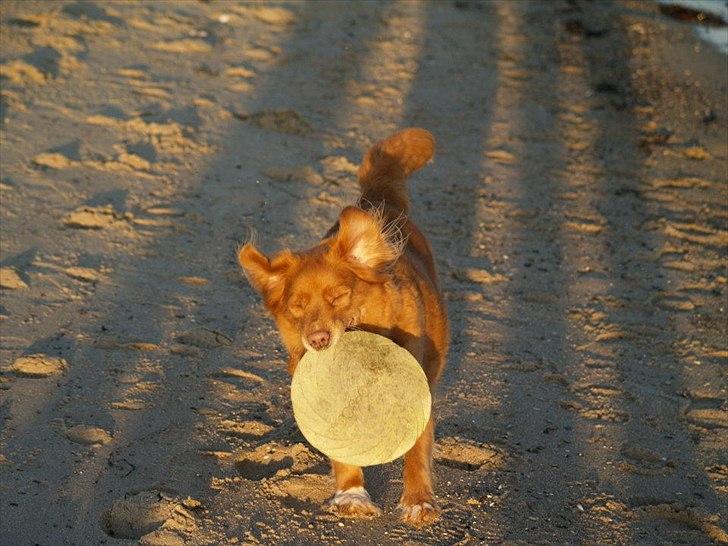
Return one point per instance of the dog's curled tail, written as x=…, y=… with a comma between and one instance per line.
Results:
x=384, y=170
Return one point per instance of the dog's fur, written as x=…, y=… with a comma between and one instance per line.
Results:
x=373, y=271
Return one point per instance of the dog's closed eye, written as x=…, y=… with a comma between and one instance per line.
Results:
x=297, y=305
x=339, y=297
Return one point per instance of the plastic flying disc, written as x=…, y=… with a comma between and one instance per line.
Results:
x=364, y=401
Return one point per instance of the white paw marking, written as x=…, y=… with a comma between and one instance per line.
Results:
x=353, y=502
x=353, y=495
x=414, y=512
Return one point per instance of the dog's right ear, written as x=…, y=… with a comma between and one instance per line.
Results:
x=267, y=276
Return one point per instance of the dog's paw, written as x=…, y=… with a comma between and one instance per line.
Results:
x=419, y=513
x=353, y=503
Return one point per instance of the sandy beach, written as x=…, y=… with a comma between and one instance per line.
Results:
x=578, y=210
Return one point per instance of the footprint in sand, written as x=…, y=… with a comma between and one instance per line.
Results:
x=708, y=418
x=282, y=121
x=136, y=516
x=115, y=343
x=85, y=274
x=303, y=173
x=162, y=537
x=609, y=333
x=94, y=217
x=679, y=265
x=160, y=210
x=165, y=138
x=238, y=373
x=10, y=280
x=122, y=162
x=588, y=228
x=203, y=338
x=457, y=525
x=718, y=475
x=674, y=302
x=677, y=513
x=133, y=73
x=185, y=350
x=338, y=169
x=643, y=461
x=503, y=157
x=39, y=365
x=595, y=412
x=88, y=435
x=261, y=54
x=696, y=233
x=55, y=58
x=273, y=459
x=274, y=15
x=183, y=46
x=89, y=13
x=327, y=199
x=239, y=72
x=698, y=153
x=158, y=217
x=54, y=160
x=241, y=83
x=244, y=429
x=312, y=489
x=193, y=281
x=467, y=455
x=131, y=404
x=20, y=73
x=478, y=276
x=263, y=462
x=679, y=183
x=598, y=402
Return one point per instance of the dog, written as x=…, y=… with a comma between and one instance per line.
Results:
x=372, y=271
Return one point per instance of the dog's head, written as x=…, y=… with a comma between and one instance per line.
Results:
x=321, y=292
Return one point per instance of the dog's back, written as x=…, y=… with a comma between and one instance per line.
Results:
x=383, y=176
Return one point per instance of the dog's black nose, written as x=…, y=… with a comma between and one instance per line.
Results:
x=319, y=340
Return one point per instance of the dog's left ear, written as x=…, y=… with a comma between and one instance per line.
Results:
x=363, y=242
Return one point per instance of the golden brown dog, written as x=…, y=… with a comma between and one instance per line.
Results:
x=373, y=271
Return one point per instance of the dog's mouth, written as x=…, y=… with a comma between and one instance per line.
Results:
x=351, y=325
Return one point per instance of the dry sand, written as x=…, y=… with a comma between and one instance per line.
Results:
x=577, y=208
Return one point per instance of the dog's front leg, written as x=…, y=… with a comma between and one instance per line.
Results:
x=351, y=499
x=418, y=500
x=293, y=362
x=295, y=354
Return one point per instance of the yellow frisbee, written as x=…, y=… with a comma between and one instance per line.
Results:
x=363, y=402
